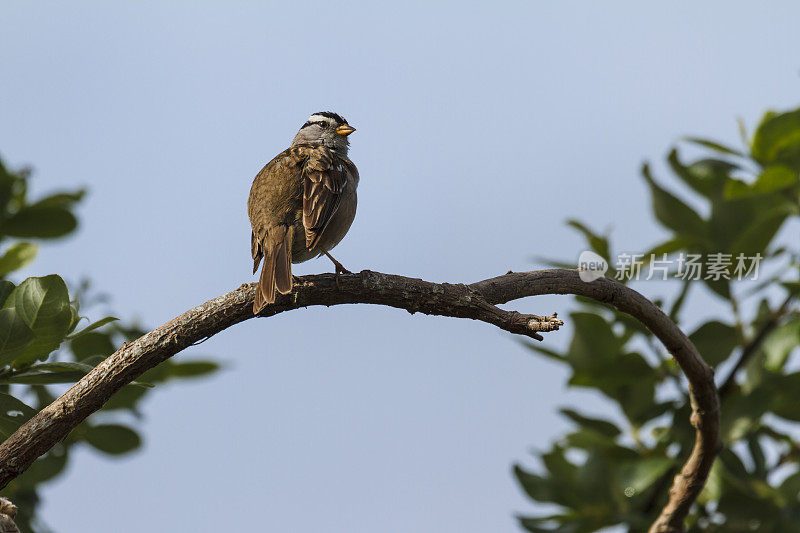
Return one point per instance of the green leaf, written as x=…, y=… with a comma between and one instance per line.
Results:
x=15, y=336
x=595, y=478
x=741, y=413
x=715, y=341
x=706, y=176
x=760, y=231
x=45, y=467
x=13, y=413
x=544, y=524
x=539, y=348
x=780, y=343
x=126, y=398
x=41, y=222
x=598, y=243
x=775, y=178
x=63, y=366
x=552, y=263
x=63, y=199
x=786, y=396
x=536, y=486
x=558, y=465
x=6, y=288
x=38, y=377
x=557, y=488
x=593, y=342
x=742, y=127
x=667, y=247
x=772, y=179
x=99, y=324
x=91, y=344
x=192, y=369
x=713, y=145
x=113, y=439
x=720, y=287
x=43, y=304
x=7, y=183
x=641, y=473
x=74, y=319
x=729, y=219
x=673, y=213
x=777, y=139
x=598, y=361
x=17, y=256
x=790, y=487
x=792, y=287
x=46, y=373
x=714, y=485
x=757, y=455
x=654, y=410
x=733, y=464
x=591, y=440
x=677, y=305
x=603, y=427
x=9, y=403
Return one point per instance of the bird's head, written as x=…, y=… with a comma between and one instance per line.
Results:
x=325, y=128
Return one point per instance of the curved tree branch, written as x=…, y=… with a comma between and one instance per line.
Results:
x=476, y=301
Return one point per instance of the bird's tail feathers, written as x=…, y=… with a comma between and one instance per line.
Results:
x=283, y=263
x=276, y=274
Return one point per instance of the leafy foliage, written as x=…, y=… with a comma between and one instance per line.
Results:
x=605, y=473
x=41, y=344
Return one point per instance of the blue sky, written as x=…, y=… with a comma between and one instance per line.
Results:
x=481, y=128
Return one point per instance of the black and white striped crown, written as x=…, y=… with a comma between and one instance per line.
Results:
x=325, y=117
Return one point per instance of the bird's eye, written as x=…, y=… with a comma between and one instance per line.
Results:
x=323, y=125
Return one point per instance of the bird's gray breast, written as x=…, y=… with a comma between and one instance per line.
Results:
x=342, y=219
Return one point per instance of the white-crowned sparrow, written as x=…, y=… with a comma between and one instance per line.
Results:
x=302, y=203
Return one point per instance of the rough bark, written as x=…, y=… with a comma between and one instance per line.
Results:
x=476, y=301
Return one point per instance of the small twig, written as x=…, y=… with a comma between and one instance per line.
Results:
x=752, y=347
x=676, y=306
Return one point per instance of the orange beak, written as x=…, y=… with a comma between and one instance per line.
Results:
x=345, y=130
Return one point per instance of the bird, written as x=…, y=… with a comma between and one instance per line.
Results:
x=301, y=204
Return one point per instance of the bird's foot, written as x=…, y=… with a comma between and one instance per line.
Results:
x=340, y=269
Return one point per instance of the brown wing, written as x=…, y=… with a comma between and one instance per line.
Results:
x=276, y=195
x=324, y=181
